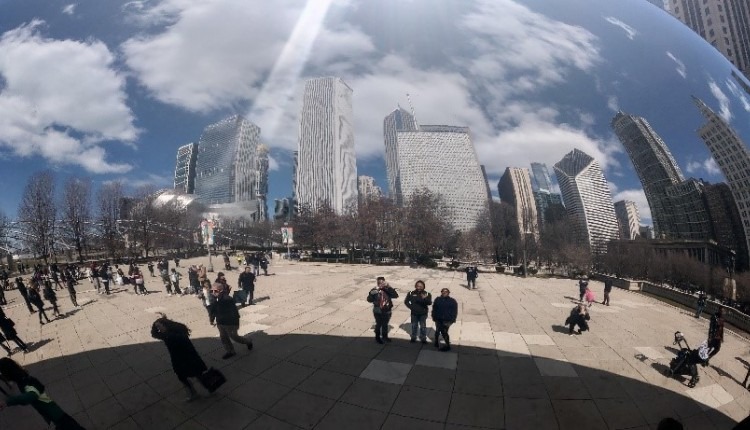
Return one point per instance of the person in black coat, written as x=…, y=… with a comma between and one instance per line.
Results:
x=8, y=328
x=247, y=284
x=36, y=299
x=227, y=320
x=579, y=316
x=418, y=301
x=471, y=277
x=444, y=313
x=24, y=293
x=186, y=363
x=382, y=303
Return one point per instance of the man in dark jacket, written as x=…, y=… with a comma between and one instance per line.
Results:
x=381, y=299
x=247, y=284
x=24, y=293
x=583, y=283
x=444, y=313
x=471, y=276
x=418, y=301
x=701, y=304
x=716, y=332
x=227, y=320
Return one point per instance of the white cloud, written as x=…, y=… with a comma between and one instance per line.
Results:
x=134, y=181
x=708, y=166
x=613, y=104
x=69, y=9
x=66, y=113
x=724, y=111
x=681, y=68
x=629, y=31
x=739, y=94
x=273, y=165
x=637, y=196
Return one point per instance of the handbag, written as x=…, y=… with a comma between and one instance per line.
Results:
x=212, y=379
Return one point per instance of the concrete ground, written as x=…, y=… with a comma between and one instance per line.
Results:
x=316, y=365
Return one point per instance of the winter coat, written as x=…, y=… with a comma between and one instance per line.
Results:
x=373, y=297
x=445, y=309
x=246, y=281
x=418, y=302
x=471, y=273
x=226, y=311
x=185, y=359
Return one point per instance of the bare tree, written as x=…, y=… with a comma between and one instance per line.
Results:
x=37, y=214
x=425, y=223
x=500, y=220
x=144, y=219
x=76, y=213
x=110, y=199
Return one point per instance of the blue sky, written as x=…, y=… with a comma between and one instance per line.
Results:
x=110, y=90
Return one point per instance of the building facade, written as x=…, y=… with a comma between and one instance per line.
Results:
x=326, y=162
x=515, y=189
x=726, y=222
x=628, y=219
x=544, y=195
x=731, y=154
x=398, y=120
x=690, y=219
x=540, y=178
x=588, y=200
x=232, y=168
x=442, y=160
x=655, y=166
x=725, y=24
x=368, y=189
x=184, y=171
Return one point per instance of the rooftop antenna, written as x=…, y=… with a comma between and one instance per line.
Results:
x=413, y=114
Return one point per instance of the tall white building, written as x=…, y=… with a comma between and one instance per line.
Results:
x=326, y=162
x=398, y=120
x=442, y=160
x=731, y=154
x=588, y=200
x=368, y=189
x=515, y=189
x=628, y=218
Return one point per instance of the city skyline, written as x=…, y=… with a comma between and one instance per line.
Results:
x=111, y=92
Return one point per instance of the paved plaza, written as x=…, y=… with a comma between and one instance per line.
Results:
x=316, y=364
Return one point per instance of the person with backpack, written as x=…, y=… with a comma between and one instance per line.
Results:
x=33, y=393
x=381, y=298
x=418, y=301
x=186, y=363
x=444, y=313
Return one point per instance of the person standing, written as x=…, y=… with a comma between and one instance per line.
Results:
x=8, y=327
x=24, y=293
x=716, y=332
x=471, y=276
x=33, y=393
x=264, y=264
x=138, y=282
x=150, y=266
x=418, y=301
x=164, y=272
x=583, y=284
x=701, y=303
x=444, y=313
x=209, y=301
x=186, y=363
x=228, y=320
x=256, y=264
x=36, y=299
x=381, y=298
x=607, y=290
x=104, y=275
x=246, y=282
x=175, y=278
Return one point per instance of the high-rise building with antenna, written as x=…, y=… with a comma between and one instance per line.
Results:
x=398, y=120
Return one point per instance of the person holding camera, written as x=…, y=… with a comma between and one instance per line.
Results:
x=381, y=298
x=418, y=301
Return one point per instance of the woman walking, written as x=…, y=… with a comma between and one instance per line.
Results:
x=186, y=363
x=444, y=313
x=36, y=300
x=33, y=393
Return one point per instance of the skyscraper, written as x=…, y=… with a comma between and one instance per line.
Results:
x=628, y=219
x=367, y=188
x=587, y=199
x=184, y=171
x=514, y=188
x=398, y=120
x=442, y=160
x=230, y=166
x=540, y=179
x=731, y=154
x=725, y=24
x=726, y=221
x=655, y=166
x=326, y=163
x=544, y=196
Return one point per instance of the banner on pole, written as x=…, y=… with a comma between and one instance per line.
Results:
x=287, y=235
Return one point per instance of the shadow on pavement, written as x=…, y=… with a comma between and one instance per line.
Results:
x=320, y=381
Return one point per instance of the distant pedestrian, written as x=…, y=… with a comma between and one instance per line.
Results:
x=701, y=303
x=264, y=264
x=186, y=363
x=150, y=266
x=418, y=301
x=246, y=283
x=24, y=293
x=33, y=393
x=36, y=299
x=50, y=296
x=175, y=278
x=583, y=284
x=381, y=298
x=70, y=283
x=716, y=332
x=209, y=301
x=177, y=261
x=607, y=290
x=164, y=272
x=228, y=320
x=589, y=296
x=471, y=276
x=256, y=264
x=444, y=313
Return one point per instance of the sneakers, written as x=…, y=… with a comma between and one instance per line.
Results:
x=228, y=355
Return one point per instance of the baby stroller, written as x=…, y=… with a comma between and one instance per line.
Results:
x=687, y=360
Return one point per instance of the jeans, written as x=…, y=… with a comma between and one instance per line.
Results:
x=606, y=298
x=228, y=333
x=381, y=325
x=441, y=328
x=419, y=321
x=472, y=283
